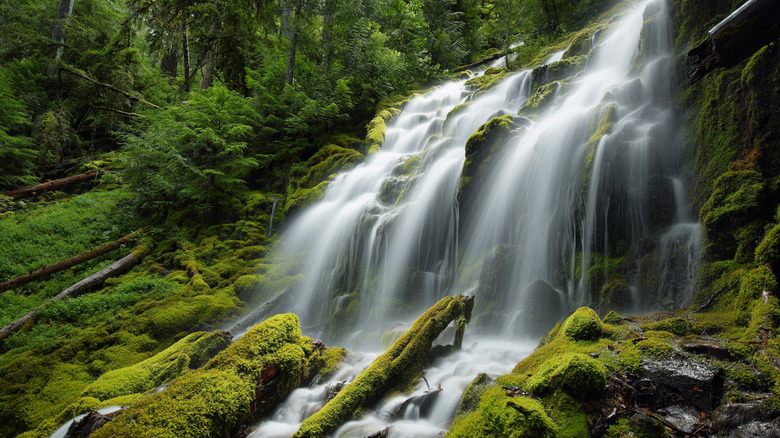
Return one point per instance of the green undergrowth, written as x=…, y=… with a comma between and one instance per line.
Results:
x=57, y=228
x=193, y=278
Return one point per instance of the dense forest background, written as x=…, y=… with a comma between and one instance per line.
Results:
x=202, y=98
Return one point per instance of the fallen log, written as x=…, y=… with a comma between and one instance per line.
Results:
x=738, y=36
x=396, y=368
x=51, y=185
x=68, y=263
x=117, y=268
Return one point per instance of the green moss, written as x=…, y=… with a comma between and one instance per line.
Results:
x=639, y=426
x=375, y=132
x=471, y=396
x=566, y=67
x=677, y=326
x=753, y=284
x=654, y=349
x=583, y=325
x=489, y=79
x=579, y=375
x=191, y=351
x=541, y=100
x=569, y=415
x=768, y=251
x=502, y=416
x=246, y=284
x=266, y=363
x=613, y=318
x=481, y=149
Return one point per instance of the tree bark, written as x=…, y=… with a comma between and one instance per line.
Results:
x=185, y=43
x=207, y=78
x=293, y=43
x=51, y=185
x=63, y=15
x=117, y=268
x=170, y=62
x=68, y=263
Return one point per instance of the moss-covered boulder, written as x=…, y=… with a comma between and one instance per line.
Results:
x=308, y=181
x=501, y=416
x=583, y=325
x=579, y=375
x=191, y=351
x=242, y=382
x=542, y=308
x=481, y=149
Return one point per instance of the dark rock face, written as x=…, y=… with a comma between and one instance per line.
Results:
x=712, y=349
x=742, y=419
x=90, y=423
x=696, y=381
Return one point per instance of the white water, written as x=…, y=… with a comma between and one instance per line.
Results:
x=387, y=240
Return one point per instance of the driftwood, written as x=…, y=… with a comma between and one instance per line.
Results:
x=738, y=36
x=51, y=185
x=68, y=263
x=117, y=268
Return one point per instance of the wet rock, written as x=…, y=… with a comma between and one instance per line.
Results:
x=769, y=429
x=683, y=417
x=712, y=349
x=423, y=403
x=334, y=389
x=92, y=422
x=381, y=434
x=697, y=381
x=733, y=416
x=541, y=308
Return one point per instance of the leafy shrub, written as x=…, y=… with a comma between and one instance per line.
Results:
x=190, y=154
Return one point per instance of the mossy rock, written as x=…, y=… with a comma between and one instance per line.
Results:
x=768, y=251
x=541, y=100
x=482, y=148
x=191, y=351
x=613, y=318
x=542, y=308
x=678, y=326
x=616, y=295
x=470, y=399
x=579, y=375
x=242, y=382
x=583, y=325
x=501, y=416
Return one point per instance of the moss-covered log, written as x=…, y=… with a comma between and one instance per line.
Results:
x=396, y=368
x=241, y=383
x=52, y=185
x=45, y=271
x=117, y=268
x=736, y=38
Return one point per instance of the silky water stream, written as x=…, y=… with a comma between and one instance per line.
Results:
x=594, y=182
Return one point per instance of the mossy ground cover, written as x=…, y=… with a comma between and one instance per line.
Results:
x=189, y=281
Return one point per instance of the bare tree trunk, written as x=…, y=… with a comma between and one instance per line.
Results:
x=68, y=263
x=288, y=77
x=170, y=62
x=286, y=20
x=117, y=268
x=51, y=185
x=186, y=49
x=327, y=24
x=63, y=15
x=207, y=78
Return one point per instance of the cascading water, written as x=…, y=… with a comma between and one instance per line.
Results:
x=580, y=205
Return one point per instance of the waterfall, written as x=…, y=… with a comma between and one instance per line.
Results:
x=582, y=204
